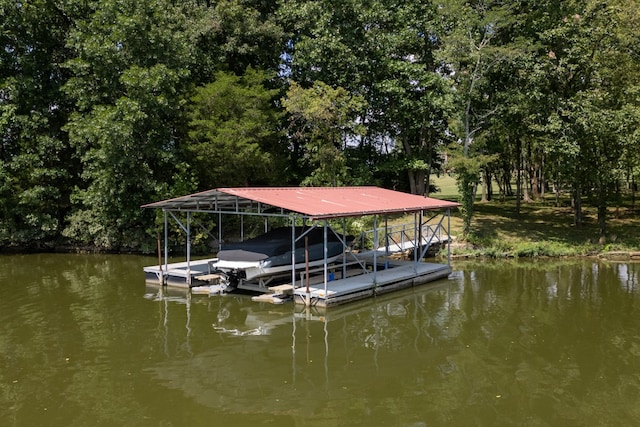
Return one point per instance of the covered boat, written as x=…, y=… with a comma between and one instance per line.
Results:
x=272, y=254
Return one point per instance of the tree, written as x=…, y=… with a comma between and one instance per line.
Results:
x=590, y=68
x=234, y=126
x=36, y=164
x=130, y=73
x=382, y=51
x=470, y=55
x=324, y=118
x=241, y=34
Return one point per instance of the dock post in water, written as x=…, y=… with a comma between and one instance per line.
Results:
x=306, y=267
x=161, y=277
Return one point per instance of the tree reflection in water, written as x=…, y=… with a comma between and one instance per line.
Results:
x=502, y=343
x=492, y=343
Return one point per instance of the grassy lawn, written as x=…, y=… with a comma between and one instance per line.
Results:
x=446, y=185
x=540, y=229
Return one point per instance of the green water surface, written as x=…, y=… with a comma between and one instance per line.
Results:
x=85, y=342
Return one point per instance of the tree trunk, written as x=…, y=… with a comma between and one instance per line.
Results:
x=557, y=187
x=535, y=182
x=577, y=205
x=543, y=183
x=412, y=181
x=526, y=196
x=427, y=183
x=633, y=192
x=483, y=198
x=420, y=182
x=532, y=170
x=508, y=188
x=526, y=168
x=502, y=191
x=518, y=177
x=603, y=190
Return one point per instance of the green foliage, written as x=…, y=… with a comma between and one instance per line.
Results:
x=106, y=105
x=246, y=34
x=324, y=119
x=119, y=175
x=37, y=167
x=384, y=52
x=234, y=127
x=492, y=248
x=129, y=75
x=467, y=171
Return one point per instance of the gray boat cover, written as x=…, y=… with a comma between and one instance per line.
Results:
x=275, y=246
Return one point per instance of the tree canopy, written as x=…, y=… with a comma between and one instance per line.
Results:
x=106, y=105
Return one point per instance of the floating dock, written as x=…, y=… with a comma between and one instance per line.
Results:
x=357, y=283
x=398, y=275
x=372, y=269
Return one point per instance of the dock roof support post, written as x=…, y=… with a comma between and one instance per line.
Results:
x=386, y=238
x=189, y=248
x=242, y=228
x=344, y=252
x=449, y=237
x=420, y=240
x=326, y=251
x=415, y=240
x=375, y=248
x=166, y=247
x=219, y=231
x=416, y=237
x=293, y=253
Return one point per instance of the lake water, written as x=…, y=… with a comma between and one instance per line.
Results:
x=85, y=342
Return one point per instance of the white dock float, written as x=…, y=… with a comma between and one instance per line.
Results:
x=180, y=274
x=400, y=275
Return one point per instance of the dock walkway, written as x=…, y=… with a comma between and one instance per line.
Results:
x=400, y=275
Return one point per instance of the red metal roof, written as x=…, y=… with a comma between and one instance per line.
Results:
x=314, y=202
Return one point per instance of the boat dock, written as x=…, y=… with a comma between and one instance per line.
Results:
x=198, y=272
x=385, y=259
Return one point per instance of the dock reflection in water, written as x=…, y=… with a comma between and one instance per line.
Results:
x=546, y=343
x=289, y=359
x=487, y=346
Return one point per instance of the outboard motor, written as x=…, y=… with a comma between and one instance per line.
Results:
x=229, y=279
x=234, y=280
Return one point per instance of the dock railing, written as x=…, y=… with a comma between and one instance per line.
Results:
x=402, y=237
